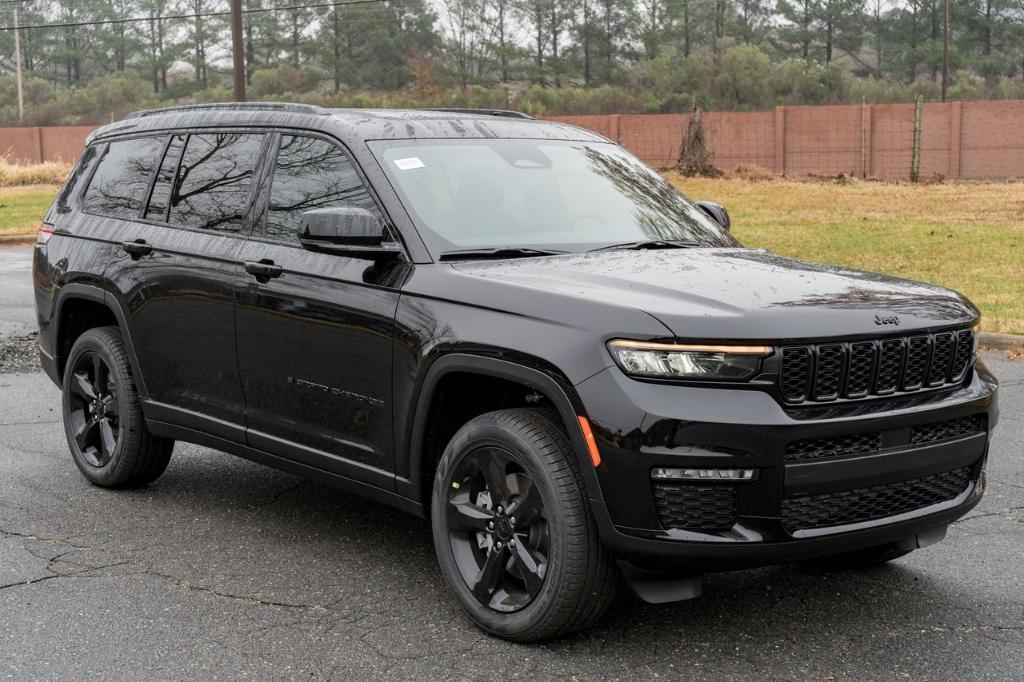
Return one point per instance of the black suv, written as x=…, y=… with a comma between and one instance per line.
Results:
x=511, y=327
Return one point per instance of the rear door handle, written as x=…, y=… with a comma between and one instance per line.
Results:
x=263, y=270
x=137, y=248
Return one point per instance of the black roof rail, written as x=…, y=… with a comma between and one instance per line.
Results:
x=235, y=106
x=484, y=112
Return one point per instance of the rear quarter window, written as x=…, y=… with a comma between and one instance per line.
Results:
x=65, y=201
x=119, y=185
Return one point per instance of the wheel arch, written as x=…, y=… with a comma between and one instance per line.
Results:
x=558, y=393
x=69, y=296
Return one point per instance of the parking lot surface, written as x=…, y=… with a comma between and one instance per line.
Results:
x=224, y=569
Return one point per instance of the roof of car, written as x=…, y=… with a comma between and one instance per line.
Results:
x=352, y=125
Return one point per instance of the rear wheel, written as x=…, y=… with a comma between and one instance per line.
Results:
x=103, y=420
x=513, y=530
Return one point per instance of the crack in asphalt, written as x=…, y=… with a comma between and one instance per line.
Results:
x=54, y=574
x=280, y=493
x=189, y=587
x=36, y=538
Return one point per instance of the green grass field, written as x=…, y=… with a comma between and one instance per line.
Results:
x=967, y=236
x=22, y=208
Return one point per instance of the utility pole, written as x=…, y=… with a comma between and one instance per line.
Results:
x=237, y=50
x=17, y=62
x=945, y=53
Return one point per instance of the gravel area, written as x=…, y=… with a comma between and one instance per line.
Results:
x=19, y=354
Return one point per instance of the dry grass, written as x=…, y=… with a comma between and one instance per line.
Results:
x=17, y=175
x=968, y=236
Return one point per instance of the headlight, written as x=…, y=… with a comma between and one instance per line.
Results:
x=977, y=333
x=688, y=361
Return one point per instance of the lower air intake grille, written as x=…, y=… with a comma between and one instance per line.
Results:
x=868, y=504
x=951, y=428
x=823, y=448
x=693, y=507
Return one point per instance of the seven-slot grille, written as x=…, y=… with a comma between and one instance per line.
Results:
x=829, y=371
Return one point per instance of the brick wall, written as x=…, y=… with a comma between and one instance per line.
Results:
x=958, y=140
x=34, y=145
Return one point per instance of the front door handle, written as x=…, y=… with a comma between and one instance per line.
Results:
x=263, y=270
x=137, y=248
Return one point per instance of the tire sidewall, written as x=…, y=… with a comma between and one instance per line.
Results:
x=111, y=471
x=490, y=433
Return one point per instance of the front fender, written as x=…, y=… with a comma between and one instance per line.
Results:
x=559, y=391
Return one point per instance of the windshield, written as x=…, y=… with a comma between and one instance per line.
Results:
x=543, y=194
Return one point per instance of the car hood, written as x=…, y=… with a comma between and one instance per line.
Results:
x=739, y=294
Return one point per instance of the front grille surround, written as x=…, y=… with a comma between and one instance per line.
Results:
x=826, y=372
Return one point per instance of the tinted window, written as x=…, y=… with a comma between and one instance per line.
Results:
x=119, y=185
x=85, y=164
x=157, y=209
x=310, y=173
x=213, y=182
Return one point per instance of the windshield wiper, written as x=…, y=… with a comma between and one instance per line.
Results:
x=497, y=253
x=650, y=244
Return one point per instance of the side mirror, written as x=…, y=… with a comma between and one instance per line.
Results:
x=716, y=212
x=346, y=231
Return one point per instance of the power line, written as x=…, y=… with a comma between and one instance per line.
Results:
x=171, y=17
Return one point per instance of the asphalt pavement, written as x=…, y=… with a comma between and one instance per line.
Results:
x=224, y=569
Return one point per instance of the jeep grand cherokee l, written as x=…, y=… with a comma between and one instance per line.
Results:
x=513, y=328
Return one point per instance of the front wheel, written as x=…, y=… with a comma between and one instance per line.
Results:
x=513, y=530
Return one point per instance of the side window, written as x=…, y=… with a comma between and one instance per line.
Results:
x=310, y=173
x=119, y=185
x=212, y=187
x=82, y=168
x=157, y=208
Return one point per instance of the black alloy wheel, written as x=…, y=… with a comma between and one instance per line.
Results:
x=94, y=409
x=103, y=421
x=513, y=530
x=498, y=530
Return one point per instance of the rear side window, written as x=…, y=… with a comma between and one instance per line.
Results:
x=63, y=204
x=310, y=173
x=157, y=208
x=119, y=185
x=214, y=178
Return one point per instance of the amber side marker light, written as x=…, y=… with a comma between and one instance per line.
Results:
x=588, y=438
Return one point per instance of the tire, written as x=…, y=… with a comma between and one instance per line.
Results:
x=103, y=421
x=862, y=558
x=572, y=580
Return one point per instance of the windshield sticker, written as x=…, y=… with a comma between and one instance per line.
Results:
x=410, y=163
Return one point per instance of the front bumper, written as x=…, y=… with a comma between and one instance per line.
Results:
x=642, y=425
